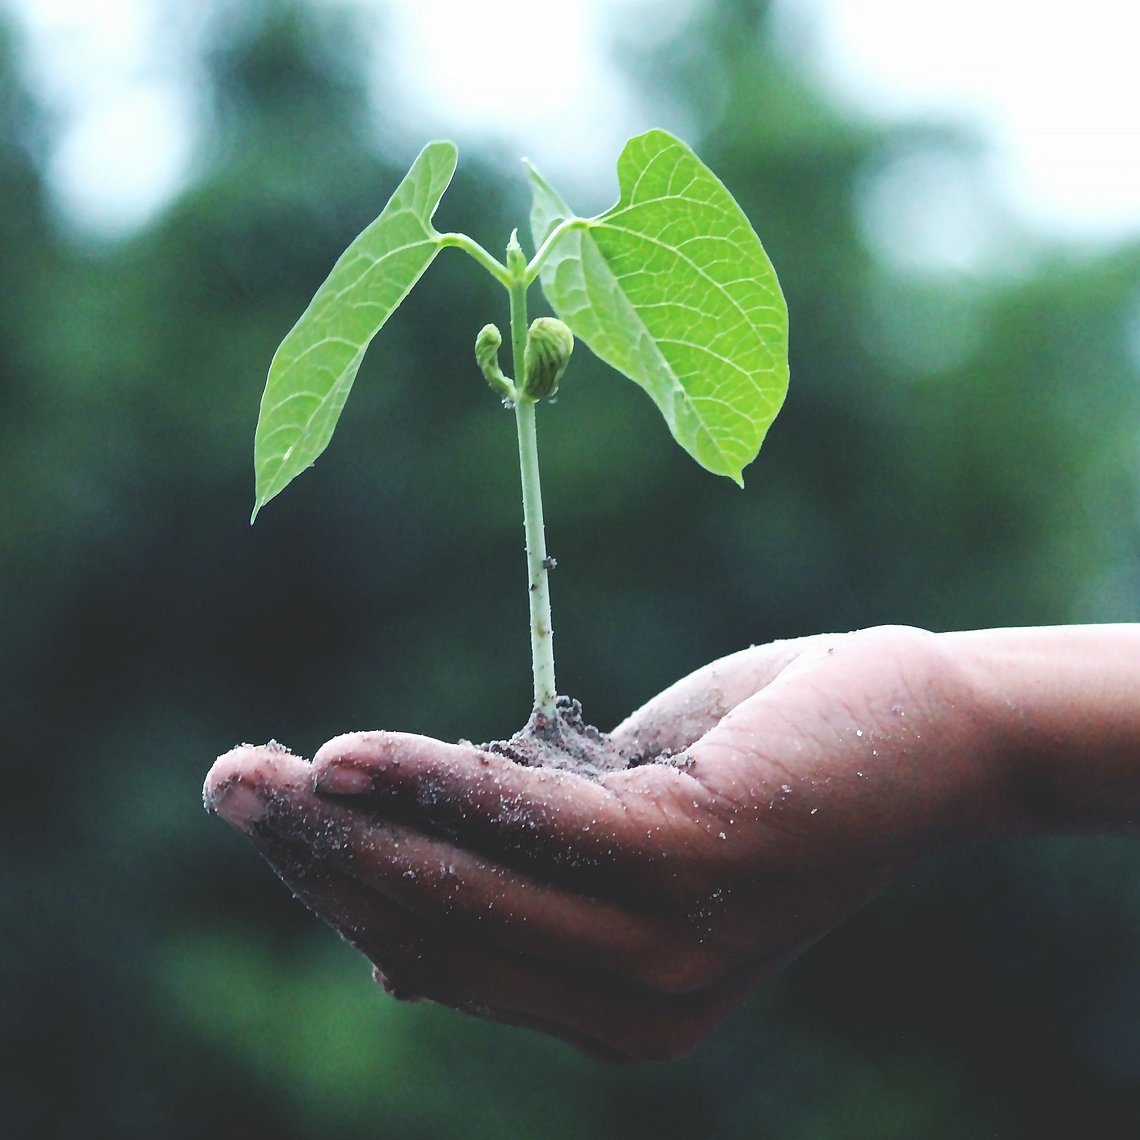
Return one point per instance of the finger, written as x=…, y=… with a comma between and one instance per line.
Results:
x=593, y=1008
x=617, y=836
x=685, y=711
x=495, y=804
x=435, y=880
x=234, y=784
x=608, y=1017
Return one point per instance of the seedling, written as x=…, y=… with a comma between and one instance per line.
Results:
x=671, y=287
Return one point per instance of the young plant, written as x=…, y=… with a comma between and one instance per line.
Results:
x=671, y=287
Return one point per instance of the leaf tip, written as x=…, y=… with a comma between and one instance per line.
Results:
x=262, y=495
x=445, y=145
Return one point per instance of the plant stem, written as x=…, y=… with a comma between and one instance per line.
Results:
x=541, y=631
x=469, y=246
x=556, y=235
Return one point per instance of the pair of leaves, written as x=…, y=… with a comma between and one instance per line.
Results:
x=671, y=287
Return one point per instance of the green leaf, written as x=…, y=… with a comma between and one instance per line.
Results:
x=314, y=367
x=673, y=288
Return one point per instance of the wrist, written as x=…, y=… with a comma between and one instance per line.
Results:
x=929, y=751
x=1061, y=709
x=960, y=741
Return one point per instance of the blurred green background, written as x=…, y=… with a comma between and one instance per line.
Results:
x=959, y=449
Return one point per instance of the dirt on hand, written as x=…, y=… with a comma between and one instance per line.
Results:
x=565, y=741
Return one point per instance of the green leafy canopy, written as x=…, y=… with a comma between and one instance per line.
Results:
x=671, y=287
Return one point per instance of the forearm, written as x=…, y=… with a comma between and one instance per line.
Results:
x=1064, y=706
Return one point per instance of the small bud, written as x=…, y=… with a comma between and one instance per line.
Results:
x=516, y=259
x=487, y=345
x=549, y=344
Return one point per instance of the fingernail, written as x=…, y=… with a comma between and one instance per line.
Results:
x=340, y=780
x=238, y=805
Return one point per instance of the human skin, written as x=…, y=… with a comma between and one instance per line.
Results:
x=629, y=914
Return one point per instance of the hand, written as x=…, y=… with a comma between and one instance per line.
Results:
x=630, y=914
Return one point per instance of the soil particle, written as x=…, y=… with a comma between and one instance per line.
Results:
x=566, y=742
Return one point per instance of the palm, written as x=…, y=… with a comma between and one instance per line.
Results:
x=630, y=913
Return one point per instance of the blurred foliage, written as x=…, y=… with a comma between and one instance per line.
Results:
x=957, y=450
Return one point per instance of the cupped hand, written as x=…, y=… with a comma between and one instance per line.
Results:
x=629, y=914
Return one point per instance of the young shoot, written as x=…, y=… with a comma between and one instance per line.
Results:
x=671, y=287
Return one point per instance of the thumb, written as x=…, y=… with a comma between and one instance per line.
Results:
x=685, y=711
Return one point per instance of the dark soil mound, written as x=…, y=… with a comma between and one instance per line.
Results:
x=564, y=741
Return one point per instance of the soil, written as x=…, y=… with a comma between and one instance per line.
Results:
x=566, y=742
